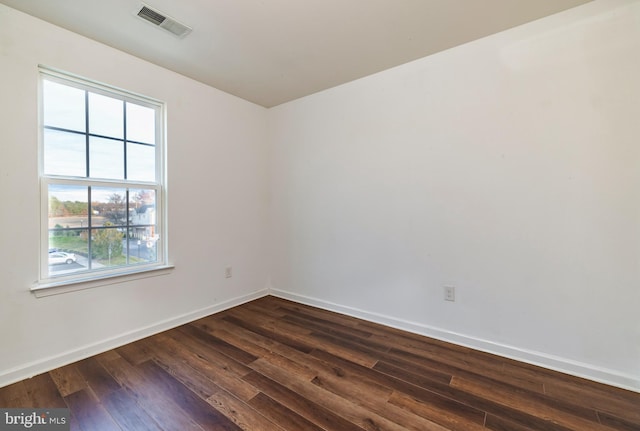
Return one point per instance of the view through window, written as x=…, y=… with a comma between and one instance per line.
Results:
x=101, y=176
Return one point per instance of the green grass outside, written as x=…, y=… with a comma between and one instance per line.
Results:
x=72, y=244
x=119, y=260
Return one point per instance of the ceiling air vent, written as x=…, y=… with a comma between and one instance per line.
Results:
x=163, y=21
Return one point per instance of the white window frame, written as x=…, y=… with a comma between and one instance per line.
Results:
x=48, y=284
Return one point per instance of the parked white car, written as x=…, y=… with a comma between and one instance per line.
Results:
x=61, y=257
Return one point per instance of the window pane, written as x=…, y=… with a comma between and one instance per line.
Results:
x=143, y=233
x=137, y=252
x=64, y=154
x=141, y=162
x=68, y=220
x=106, y=116
x=108, y=206
x=63, y=263
x=63, y=106
x=68, y=206
x=143, y=244
x=106, y=158
x=142, y=207
x=108, y=247
x=141, y=124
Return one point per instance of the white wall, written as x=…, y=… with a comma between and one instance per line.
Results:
x=508, y=167
x=218, y=190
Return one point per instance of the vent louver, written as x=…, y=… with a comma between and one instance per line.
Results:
x=151, y=15
x=163, y=21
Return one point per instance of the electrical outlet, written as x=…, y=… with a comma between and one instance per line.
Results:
x=228, y=272
x=449, y=293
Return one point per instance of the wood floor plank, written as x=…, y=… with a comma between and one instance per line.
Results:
x=127, y=413
x=196, y=380
x=328, y=326
x=203, y=351
x=438, y=370
x=519, y=404
x=264, y=342
x=341, y=348
x=268, y=311
x=242, y=414
x=97, y=377
x=289, y=366
x=266, y=303
x=617, y=423
x=310, y=410
x=363, y=345
x=217, y=344
x=157, y=405
x=68, y=379
x=312, y=312
x=269, y=333
x=14, y=396
x=107, y=356
x=217, y=329
x=462, y=357
x=537, y=407
x=43, y=393
x=345, y=407
x=220, y=375
x=289, y=358
x=89, y=414
x=619, y=403
x=460, y=361
x=408, y=419
x=331, y=377
x=276, y=365
x=328, y=322
x=135, y=353
x=348, y=386
x=448, y=413
x=420, y=376
x=431, y=391
x=496, y=423
x=195, y=407
x=277, y=412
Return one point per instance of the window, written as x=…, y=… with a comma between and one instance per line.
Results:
x=101, y=176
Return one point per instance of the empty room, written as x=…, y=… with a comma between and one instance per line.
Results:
x=320, y=215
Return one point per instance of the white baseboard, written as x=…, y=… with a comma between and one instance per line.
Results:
x=578, y=369
x=587, y=371
x=46, y=364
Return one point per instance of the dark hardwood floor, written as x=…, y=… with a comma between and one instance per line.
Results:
x=276, y=365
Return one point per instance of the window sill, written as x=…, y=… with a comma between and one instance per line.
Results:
x=41, y=290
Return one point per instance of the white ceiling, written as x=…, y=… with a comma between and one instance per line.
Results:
x=273, y=51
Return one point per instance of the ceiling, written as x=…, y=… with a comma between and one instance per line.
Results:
x=273, y=51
